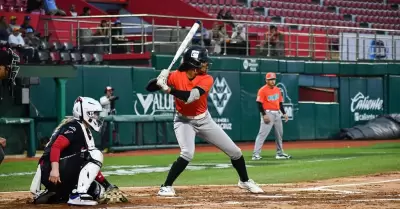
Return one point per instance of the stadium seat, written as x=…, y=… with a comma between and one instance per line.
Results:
x=44, y=45
x=44, y=56
x=65, y=57
x=55, y=57
x=87, y=58
x=68, y=46
x=57, y=46
x=76, y=57
x=98, y=58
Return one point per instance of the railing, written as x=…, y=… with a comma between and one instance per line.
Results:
x=295, y=40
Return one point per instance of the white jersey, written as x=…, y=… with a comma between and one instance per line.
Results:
x=106, y=104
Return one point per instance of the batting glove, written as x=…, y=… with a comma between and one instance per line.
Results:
x=164, y=73
x=162, y=83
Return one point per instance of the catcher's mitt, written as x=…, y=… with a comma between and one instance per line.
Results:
x=113, y=195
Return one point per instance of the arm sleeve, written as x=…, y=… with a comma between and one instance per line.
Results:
x=281, y=108
x=59, y=145
x=260, y=108
x=184, y=95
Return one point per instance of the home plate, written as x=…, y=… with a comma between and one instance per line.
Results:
x=172, y=197
x=272, y=196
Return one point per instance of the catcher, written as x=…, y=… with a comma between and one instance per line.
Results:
x=70, y=165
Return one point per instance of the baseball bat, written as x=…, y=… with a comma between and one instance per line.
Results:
x=185, y=43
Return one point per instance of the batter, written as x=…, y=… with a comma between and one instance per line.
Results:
x=269, y=99
x=190, y=85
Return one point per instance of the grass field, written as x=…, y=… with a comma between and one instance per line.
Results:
x=214, y=168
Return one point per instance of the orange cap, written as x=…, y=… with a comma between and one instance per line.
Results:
x=270, y=76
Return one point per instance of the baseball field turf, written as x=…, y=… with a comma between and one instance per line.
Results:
x=211, y=168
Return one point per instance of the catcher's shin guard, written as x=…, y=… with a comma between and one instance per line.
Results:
x=89, y=171
x=36, y=182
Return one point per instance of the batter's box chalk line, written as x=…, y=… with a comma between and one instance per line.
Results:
x=372, y=200
x=271, y=196
x=327, y=188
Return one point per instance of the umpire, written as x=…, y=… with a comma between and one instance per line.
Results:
x=108, y=103
x=2, y=145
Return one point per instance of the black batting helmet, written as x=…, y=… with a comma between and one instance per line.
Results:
x=193, y=58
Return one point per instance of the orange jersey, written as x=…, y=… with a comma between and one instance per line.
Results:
x=179, y=81
x=269, y=97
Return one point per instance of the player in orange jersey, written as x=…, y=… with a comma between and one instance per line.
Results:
x=269, y=99
x=190, y=85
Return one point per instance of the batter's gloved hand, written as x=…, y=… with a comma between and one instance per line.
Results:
x=163, y=74
x=162, y=83
x=113, y=195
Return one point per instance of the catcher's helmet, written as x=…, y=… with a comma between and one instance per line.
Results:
x=194, y=56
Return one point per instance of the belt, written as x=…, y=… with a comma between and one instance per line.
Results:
x=202, y=115
x=277, y=111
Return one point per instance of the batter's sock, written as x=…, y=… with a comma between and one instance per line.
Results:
x=240, y=167
x=176, y=169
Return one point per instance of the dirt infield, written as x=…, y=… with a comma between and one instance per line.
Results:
x=373, y=191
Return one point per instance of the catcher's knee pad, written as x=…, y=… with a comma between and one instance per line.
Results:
x=89, y=170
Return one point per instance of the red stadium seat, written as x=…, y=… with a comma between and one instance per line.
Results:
x=255, y=3
x=296, y=13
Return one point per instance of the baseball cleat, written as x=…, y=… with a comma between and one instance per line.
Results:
x=44, y=197
x=256, y=157
x=81, y=199
x=166, y=191
x=251, y=186
x=282, y=156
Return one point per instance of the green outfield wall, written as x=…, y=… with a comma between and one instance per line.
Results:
x=365, y=90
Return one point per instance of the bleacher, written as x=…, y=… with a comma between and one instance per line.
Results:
x=328, y=15
x=378, y=14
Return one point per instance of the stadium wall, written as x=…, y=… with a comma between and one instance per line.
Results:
x=365, y=90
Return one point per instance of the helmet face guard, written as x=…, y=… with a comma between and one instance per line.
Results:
x=88, y=110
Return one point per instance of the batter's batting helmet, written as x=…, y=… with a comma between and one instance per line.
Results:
x=193, y=57
x=270, y=76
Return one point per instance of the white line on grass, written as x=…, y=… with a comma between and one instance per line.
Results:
x=332, y=159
